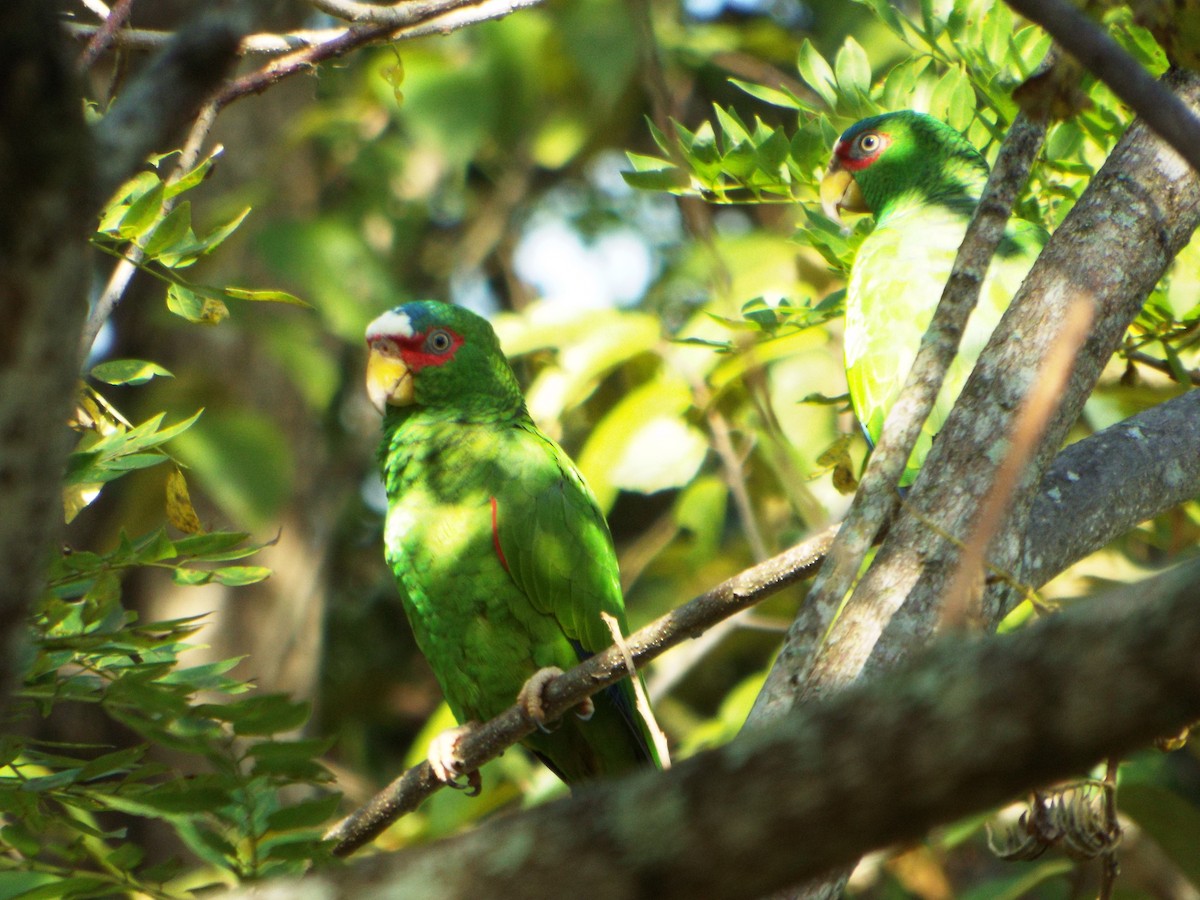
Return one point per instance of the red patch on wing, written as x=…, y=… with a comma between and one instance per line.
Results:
x=496, y=537
x=416, y=356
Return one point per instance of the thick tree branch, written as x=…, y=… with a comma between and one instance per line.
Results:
x=1114, y=246
x=969, y=724
x=1099, y=488
x=1160, y=109
x=876, y=499
x=45, y=164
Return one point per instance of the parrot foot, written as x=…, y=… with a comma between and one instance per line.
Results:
x=530, y=698
x=447, y=765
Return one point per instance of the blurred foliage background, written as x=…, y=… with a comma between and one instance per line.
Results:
x=670, y=299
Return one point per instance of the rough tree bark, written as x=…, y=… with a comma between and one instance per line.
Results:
x=45, y=180
x=965, y=726
x=53, y=184
x=1139, y=210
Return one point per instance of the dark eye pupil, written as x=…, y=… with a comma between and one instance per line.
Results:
x=440, y=341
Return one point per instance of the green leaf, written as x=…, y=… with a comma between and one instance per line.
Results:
x=190, y=304
x=732, y=127
x=188, y=253
x=886, y=13
x=672, y=180
x=265, y=715
x=266, y=296
x=128, y=371
x=853, y=68
x=1171, y=821
x=781, y=96
x=75, y=886
x=142, y=213
x=43, y=783
x=126, y=857
x=194, y=177
x=644, y=444
x=816, y=72
x=239, y=575
x=185, y=302
x=170, y=231
x=306, y=814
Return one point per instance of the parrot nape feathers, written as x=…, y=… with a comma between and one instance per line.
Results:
x=921, y=180
x=501, y=555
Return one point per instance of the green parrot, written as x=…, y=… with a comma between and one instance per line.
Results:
x=921, y=180
x=502, y=557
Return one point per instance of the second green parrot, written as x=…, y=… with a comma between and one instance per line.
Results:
x=921, y=180
x=501, y=554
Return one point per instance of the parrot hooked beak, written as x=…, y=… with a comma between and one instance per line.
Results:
x=389, y=380
x=840, y=191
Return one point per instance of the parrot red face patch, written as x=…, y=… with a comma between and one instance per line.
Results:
x=434, y=347
x=862, y=150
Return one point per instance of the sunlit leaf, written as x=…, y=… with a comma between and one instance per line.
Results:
x=266, y=296
x=817, y=73
x=128, y=371
x=180, y=512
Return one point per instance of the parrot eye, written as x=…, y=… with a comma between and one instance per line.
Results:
x=439, y=341
x=869, y=142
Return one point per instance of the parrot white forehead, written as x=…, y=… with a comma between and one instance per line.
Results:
x=392, y=324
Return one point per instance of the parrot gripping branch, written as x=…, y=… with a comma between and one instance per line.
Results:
x=490, y=739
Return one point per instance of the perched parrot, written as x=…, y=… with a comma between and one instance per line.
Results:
x=502, y=557
x=921, y=180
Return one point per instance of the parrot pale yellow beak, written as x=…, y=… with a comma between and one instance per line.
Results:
x=840, y=191
x=389, y=381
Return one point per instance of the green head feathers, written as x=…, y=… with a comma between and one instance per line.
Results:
x=901, y=160
x=442, y=359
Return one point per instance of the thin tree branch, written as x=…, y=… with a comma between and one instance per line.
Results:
x=102, y=37
x=260, y=43
x=395, y=15
x=487, y=741
x=163, y=99
x=1161, y=365
x=1160, y=109
x=438, y=18
x=955, y=732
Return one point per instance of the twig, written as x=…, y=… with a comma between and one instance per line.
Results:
x=394, y=15
x=488, y=740
x=1039, y=405
x=1161, y=365
x=163, y=100
x=102, y=37
x=1109, y=869
x=639, y=690
x=261, y=43
x=434, y=18
x=1167, y=115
